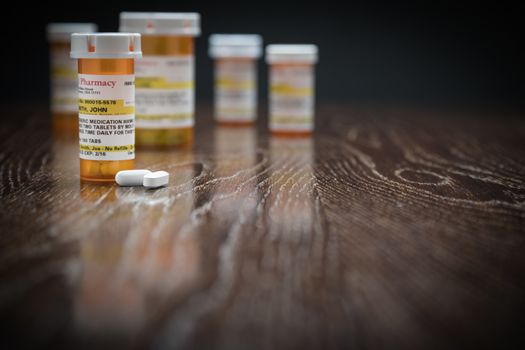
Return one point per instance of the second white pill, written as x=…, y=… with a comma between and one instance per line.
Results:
x=156, y=179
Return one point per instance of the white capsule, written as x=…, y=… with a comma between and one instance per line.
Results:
x=156, y=179
x=131, y=177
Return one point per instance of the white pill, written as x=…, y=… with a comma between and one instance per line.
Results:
x=156, y=179
x=131, y=177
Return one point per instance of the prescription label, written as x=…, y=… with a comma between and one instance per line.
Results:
x=291, y=98
x=63, y=82
x=165, y=92
x=106, y=115
x=235, y=90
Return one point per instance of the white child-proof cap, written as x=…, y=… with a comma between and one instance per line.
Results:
x=161, y=23
x=235, y=45
x=293, y=53
x=105, y=45
x=62, y=31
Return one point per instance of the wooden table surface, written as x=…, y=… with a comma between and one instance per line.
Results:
x=390, y=228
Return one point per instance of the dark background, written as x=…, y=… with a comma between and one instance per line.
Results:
x=420, y=52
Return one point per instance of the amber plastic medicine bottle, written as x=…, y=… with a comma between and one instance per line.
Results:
x=292, y=88
x=235, y=90
x=165, y=84
x=63, y=76
x=106, y=102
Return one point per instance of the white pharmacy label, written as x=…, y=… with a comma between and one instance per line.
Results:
x=165, y=92
x=292, y=98
x=64, y=96
x=235, y=90
x=106, y=114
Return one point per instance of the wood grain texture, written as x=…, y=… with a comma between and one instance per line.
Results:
x=390, y=228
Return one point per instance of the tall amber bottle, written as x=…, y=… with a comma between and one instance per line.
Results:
x=106, y=102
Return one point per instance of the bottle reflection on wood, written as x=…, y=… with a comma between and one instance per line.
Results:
x=148, y=253
x=292, y=188
x=236, y=168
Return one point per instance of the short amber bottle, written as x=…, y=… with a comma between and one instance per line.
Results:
x=292, y=89
x=235, y=92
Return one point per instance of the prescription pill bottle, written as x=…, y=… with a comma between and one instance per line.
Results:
x=292, y=88
x=235, y=90
x=106, y=102
x=165, y=84
x=63, y=77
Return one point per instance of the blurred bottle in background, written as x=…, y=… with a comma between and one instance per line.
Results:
x=292, y=88
x=235, y=90
x=165, y=85
x=63, y=77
